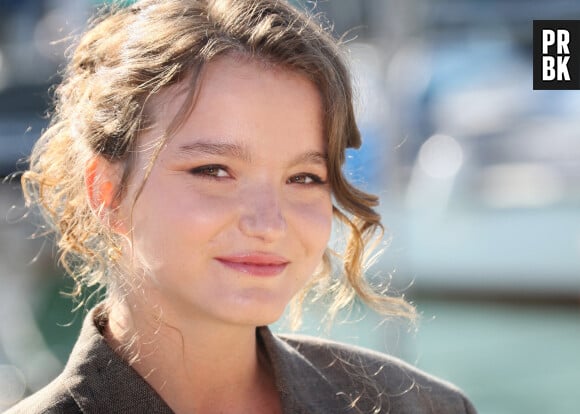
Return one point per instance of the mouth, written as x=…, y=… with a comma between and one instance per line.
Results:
x=255, y=264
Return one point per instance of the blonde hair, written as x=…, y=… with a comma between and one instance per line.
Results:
x=129, y=54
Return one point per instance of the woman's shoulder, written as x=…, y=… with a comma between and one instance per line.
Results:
x=375, y=382
x=356, y=359
x=94, y=380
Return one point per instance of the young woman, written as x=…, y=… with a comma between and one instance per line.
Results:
x=193, y=169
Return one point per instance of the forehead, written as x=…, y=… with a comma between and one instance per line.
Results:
x=233, y=92
x=232, y=70
x=241, y=108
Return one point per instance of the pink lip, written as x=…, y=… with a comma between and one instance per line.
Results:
x=256, y=264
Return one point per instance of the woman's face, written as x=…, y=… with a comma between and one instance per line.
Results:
x=236, y=213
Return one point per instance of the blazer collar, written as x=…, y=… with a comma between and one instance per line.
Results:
x=303, y=387
x=101, y=381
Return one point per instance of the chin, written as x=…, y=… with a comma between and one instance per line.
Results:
x=260, y=315
x=256, y=307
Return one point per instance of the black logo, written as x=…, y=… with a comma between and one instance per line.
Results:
x=556, y=54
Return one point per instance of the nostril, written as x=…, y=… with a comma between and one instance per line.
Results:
x=265, y=221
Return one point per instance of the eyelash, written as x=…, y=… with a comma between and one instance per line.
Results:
x=316, y=180
x=207, y=171
x=212, y=171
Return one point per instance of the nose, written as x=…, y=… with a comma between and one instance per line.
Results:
x=262, y=216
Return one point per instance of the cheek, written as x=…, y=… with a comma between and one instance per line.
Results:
x=185, y=215
x=315, y=223
x=170, y=223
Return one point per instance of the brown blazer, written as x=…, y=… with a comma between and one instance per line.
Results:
x=312, y=377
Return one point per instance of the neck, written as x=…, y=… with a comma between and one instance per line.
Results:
x=195, y=364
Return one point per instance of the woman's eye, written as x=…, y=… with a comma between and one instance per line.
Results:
x=216, y=171
x=305, y=179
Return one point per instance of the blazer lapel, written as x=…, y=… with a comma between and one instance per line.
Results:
x=101, y=382
x=303, y=387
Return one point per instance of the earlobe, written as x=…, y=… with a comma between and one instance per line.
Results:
x=100, y=178
x=99, y=186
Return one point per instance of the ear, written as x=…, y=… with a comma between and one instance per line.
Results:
x=102, y=181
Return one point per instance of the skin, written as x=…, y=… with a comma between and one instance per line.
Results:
x=244, y=176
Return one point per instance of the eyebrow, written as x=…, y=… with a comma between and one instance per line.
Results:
x=215, y=148
x=240, y=152
x=310, y=157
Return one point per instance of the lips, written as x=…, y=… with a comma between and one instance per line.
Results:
x=256, y=264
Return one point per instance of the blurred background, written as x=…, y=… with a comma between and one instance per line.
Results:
x=479, y=182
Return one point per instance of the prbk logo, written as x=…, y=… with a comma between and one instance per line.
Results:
x=556, y=54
